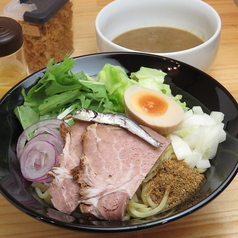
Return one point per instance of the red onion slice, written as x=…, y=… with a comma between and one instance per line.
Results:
x=37, y=159
x=48, y=129
x=50, y=138
x=24, y=137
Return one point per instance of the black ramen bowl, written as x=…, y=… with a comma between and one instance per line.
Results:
x=197, y=88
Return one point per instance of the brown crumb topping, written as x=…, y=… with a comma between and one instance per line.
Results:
x=181, y=180
x=52, y=39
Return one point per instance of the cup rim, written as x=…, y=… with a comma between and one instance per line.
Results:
x=169, y=54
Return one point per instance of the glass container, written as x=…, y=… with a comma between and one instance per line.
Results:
x=47, y=29
x=13, y=66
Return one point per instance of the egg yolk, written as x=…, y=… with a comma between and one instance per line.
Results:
x=149, y=103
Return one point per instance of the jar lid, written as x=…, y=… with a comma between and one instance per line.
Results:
x=43, y=11
x=33, y=11
x=10, y=36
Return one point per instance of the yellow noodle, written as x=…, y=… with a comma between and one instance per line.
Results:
x=167, y=154
x=138, y=210
x=150, y=202
x=42, y=191
x=143, y=194
x=127, y=217
x=41, y=186
x=141, y=205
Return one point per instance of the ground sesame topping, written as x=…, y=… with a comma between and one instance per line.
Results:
x=177, y=177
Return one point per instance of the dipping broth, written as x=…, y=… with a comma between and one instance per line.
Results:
x=158, y=39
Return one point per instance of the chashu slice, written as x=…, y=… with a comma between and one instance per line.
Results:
x=113, y=165
x=63, y=190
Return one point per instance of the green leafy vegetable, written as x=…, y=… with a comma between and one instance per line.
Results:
x=53, y=103
x=60, y=92
x=26, y=115
x=116, y=82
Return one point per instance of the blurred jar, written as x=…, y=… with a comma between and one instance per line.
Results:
x=47, y=27
x=13, y=66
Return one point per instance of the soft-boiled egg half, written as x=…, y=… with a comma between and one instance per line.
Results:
x=153, y=109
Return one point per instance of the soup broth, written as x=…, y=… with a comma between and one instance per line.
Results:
x=158, y=39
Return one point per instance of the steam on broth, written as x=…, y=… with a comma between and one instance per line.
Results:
x=158, y=39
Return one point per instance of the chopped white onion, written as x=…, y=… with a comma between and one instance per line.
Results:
x=217, y=116
x=197, y=137
x=181, y=148
x=203, y=164
x=197, y=110
x=192, y=159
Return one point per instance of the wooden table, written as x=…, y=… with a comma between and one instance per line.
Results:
x=219, y=218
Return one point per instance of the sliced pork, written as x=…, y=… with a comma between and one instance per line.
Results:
x=63, y=190
x=113, y=165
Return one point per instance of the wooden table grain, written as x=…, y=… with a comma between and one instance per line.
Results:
x=218, y=219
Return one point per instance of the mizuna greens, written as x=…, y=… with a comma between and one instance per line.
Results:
x=60, y=92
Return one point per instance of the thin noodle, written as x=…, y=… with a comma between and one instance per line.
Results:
x=145, y=212
x=42, y=191
x=141, y=205
x=167, y=154
x=144, y=195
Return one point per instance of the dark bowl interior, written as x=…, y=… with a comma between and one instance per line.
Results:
x=197, y=88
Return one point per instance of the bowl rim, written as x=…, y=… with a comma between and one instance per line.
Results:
x=149, y=224
x=216, y=34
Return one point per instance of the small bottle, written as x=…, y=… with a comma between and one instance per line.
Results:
x=13, y=66
x=47, y=27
